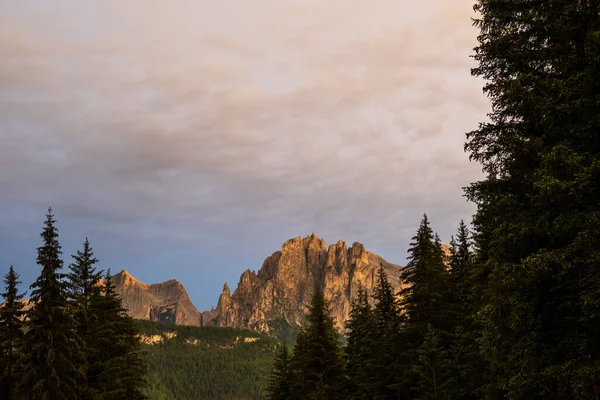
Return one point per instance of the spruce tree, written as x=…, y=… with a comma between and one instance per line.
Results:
x=83, y=284
x=431, y=367
x=468, y=370
x=280, y=381
x=11, y=334
x=385, y=365
x=424, y=303
x=116, y=369
x=361, y=337
x=298, y=366
x=52, y=359
x=318, y=363
x=538, y=211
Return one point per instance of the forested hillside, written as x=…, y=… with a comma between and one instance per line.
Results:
x=187, y=362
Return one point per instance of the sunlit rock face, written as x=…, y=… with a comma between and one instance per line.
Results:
x=162, y=302
x=283, y=287
x=280, y=291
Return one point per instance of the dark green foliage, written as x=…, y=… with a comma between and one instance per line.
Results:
x=207, y=363
x=11, y=334
x=384, y=362
x=431, y=367
x=538, y=218
x=116, y=369
x=360, y=347
x=52, y=359
x=83, y=285
x=427, y=310
x=318, y=362
x=468, y=369
x=280, y=381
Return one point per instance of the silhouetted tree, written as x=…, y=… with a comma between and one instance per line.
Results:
x=52, y=358
x=11, y=334
x=280, y=381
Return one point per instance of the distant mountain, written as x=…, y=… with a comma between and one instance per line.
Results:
x=284, y=286
x=276, y=296
x=162, y=302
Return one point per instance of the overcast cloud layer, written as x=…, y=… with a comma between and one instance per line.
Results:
x=189, y=139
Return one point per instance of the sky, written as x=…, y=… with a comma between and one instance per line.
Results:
x=189, y=139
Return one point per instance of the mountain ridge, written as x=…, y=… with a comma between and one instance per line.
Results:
x=280, y=291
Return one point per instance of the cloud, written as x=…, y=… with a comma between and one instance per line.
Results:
x=218, y=130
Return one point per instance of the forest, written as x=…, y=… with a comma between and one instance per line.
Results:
x=75, y=341
x=514, y=311
x=207, y=362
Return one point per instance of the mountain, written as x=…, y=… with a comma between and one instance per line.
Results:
x=284, y=286
x=162, y=302
x=274, y=298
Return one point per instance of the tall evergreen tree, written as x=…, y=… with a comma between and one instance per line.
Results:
x=538, y=211
x=468, y=370
x=11, y=334
x=280, y=381
x=384, y=355
x=461, y=261
x=83, y=285
x=298, y=366
x=431, y=367
x=52, y=361
x=116, y=369
x=361, y=337
x=318, y=362
x=424, y=304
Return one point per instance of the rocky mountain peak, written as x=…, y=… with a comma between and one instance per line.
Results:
x=288, y=278
x=164, y=302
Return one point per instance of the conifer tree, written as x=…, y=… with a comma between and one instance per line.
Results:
x=116, y=369
x=52, y=359
x=11, y=334
x=424, y=302
x=360, y=333
x=468, y=370
x=461, y=266
x=538, y=211
x=280, y=380
x=384, y=356
x=431, y=368
x=83, y=284
x=318, y=363
x=300, y=373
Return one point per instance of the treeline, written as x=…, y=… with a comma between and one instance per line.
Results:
x=415, y=344
x=75, y=341
x=515, y=311
x=207, y=362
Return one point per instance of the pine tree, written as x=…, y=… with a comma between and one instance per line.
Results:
x=384, y=355
x=538, y=211
x=280, y=380
x=360, y=347
x=424, y=302
x=461, y=261
x=52, y=359
x=431, y=367
x=116, y=369
x=11, y=334
x=83, y=284
x=318, y=362
x=468, y=370
x=298, y=366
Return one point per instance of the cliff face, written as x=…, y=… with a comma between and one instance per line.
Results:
x=284, y=286
x=163, y=302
